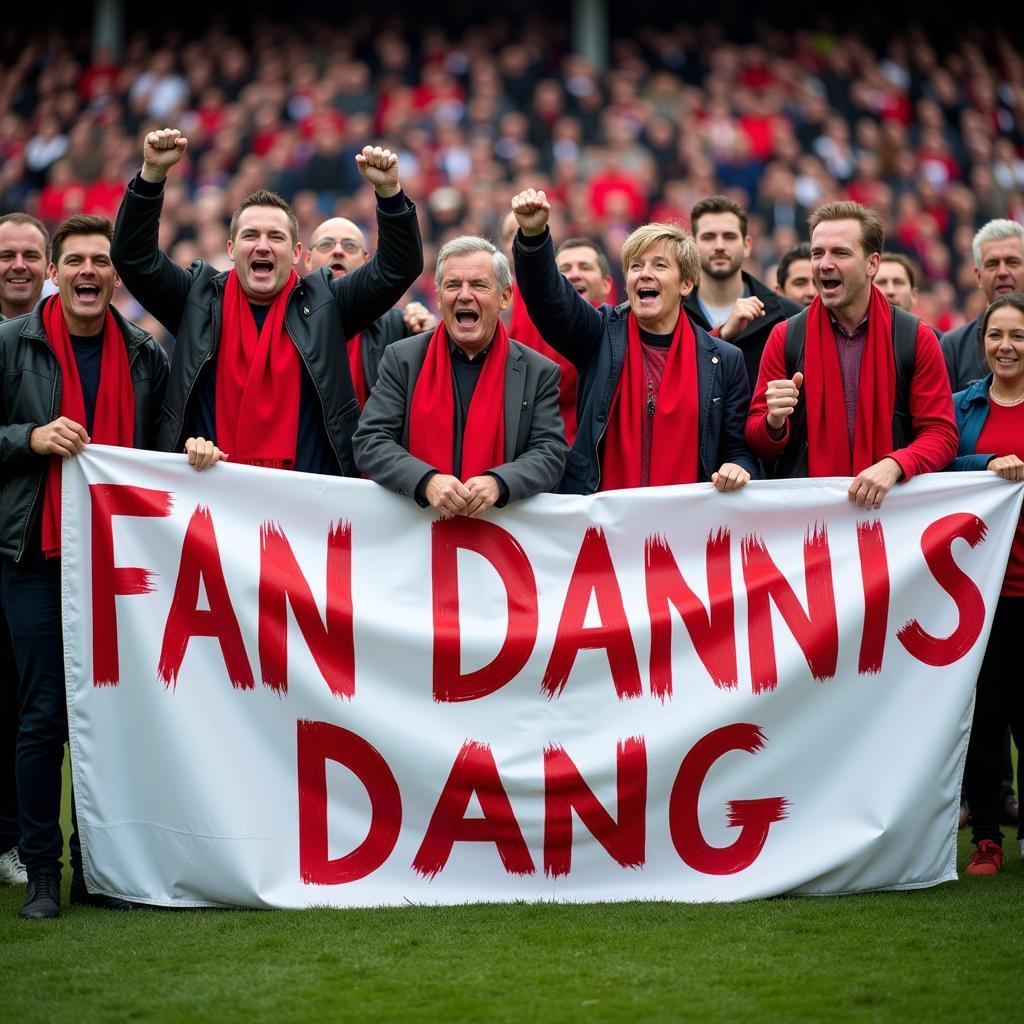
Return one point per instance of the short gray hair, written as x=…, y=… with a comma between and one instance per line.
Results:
x=466, y=245
x=995, y=231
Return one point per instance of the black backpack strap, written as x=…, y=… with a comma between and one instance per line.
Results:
x=793, y=460
x=796, y=334
x=904, y=354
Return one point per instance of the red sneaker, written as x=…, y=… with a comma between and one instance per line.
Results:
x=987, y=859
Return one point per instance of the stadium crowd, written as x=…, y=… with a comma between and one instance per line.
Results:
x=743, y=197
x=931, y=139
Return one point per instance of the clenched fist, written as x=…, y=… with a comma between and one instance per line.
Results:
x=532, y=211
x=781, y=397
x=161, y=150
x=380, y=168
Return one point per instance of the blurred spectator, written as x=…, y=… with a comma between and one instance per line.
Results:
x=931, y=136
x=159, y=92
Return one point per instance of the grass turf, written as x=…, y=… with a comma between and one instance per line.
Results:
x=924, y=955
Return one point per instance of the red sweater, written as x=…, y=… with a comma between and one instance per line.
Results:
x=931, y=407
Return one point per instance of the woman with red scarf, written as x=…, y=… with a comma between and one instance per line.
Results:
x=990, y=415
x=659, y=401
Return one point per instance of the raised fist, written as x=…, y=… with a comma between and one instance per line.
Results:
x=161, y=150
x=532, y=211
x=380, y=168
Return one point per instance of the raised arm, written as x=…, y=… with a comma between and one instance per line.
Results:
x=158, y=283
x=368, y=293
x=566, y=321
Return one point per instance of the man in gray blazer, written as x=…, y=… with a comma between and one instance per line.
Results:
x=463, y=418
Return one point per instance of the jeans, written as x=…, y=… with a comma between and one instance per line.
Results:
x=30, y=590
x=999, y=701
x=9, y=827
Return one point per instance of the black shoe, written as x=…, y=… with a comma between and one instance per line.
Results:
x=43, y=899
x=81, y=896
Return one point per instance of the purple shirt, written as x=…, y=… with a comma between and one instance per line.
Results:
x=850, y=350
x=655, y=357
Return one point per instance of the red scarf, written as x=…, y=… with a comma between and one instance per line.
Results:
x=522, y=328
x=828, y=454
x=432, y=412
x=355, y=366
x=675, y=429
x=259, y=377
x=113, y=417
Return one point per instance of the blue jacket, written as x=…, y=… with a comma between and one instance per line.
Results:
x=594, y=340
x=971, y=409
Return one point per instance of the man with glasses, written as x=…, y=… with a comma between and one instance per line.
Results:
x=340, y=245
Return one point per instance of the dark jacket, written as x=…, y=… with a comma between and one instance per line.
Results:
x=375, y=338
x=971, y=409
x=594, y=340
x=962, y=353
x=322, y=313
x=535, y=447
x=30, y=384
x=750, y=342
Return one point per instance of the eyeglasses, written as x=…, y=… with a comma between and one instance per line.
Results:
x=348, y=244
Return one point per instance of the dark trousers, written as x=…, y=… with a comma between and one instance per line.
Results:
x=31, y=600
x=999, y=701
x=9, y=828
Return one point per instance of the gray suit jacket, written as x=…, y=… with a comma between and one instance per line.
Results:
x=535, y=446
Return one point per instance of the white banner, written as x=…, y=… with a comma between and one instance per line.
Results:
x=287, y=690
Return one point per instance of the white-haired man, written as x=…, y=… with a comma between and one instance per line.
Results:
x=464, y=418
x=998, y=250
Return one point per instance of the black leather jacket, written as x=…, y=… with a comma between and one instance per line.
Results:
x=30, y=383
x=322, y=313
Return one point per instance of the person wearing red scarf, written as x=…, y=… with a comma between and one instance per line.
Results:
x=259, y=367
x=72, y=372
x=582, y=261
x=849, y=364
x=340, y=245
x=463, y=417
x=659, y=400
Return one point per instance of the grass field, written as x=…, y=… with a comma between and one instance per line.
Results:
x=916, y=956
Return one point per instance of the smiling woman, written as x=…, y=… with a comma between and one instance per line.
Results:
x=990, y=415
